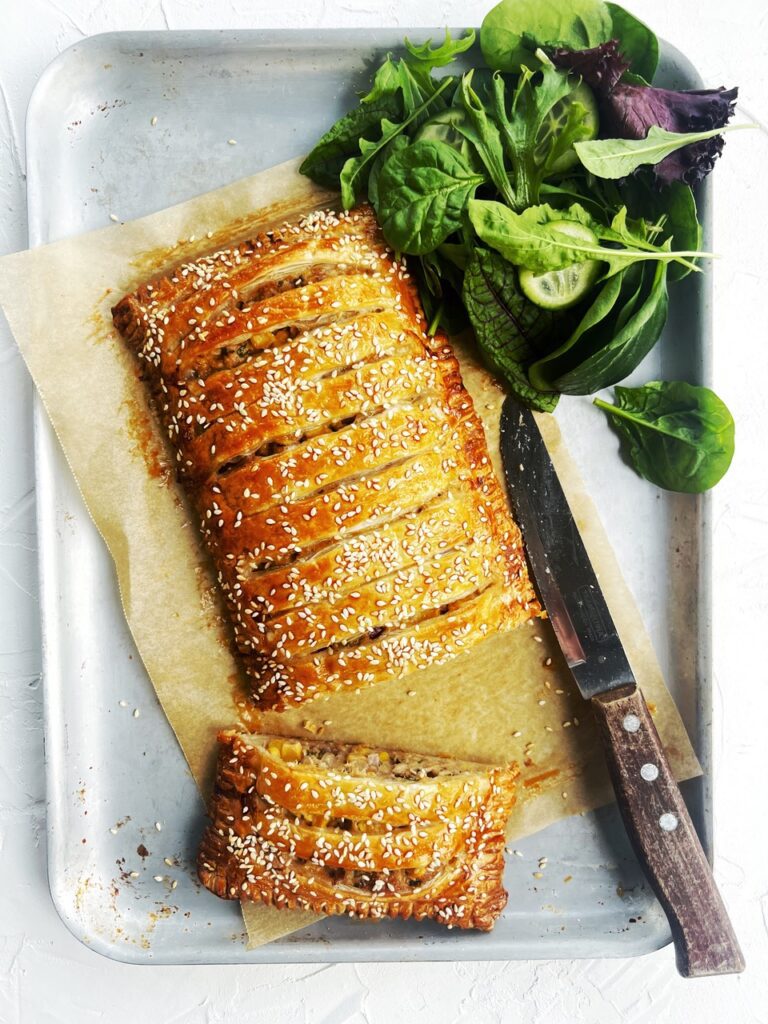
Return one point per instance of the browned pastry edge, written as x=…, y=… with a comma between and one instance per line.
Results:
x=471, y=808
x=282, y=680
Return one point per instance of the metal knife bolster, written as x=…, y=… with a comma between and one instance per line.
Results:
x=561, y=568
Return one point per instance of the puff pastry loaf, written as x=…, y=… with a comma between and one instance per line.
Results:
x=342, y=829
x=333, y=455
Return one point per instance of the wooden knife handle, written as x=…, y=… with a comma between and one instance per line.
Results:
x=663, y=836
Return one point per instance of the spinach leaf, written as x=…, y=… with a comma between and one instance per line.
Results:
x=324, y=162
x=354, y=173
x=616, y=158
x=423, y=191
x=612, y=341
x=395, y=145
x=510, y=330
x=514, y=28
x=678, y=436
x=636, y=41
x=533, y=239
x=442, y=54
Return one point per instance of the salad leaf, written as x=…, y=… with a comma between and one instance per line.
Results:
x=437, y=57
x=629, y=110
x=510, y=330
x=394, y=146
x=513, y=29
x=636, y=41
x=354, y=173
x=399, y=88
x=423, y=191
x=324, y=162
x=479, y=129
x=572, y=119
x=618, y=331
x=533, y=100
x=679, y=436
x=617, y=158
x=440, y=284
x=532, y=238
x=672, y=209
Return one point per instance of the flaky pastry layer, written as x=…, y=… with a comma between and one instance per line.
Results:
x=333, y=456
x=347, y=829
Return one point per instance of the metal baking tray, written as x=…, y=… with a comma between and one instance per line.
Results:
x=94, y=152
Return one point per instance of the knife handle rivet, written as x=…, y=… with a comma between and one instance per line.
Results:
x=668, y=821
x=631, y=723
x=649, y=772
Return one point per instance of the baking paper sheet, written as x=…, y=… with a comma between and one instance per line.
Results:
x=510, y=698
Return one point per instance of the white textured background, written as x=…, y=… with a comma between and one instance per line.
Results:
x=45, y=975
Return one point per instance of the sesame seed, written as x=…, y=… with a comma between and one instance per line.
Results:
x=159, y=826
x=344, y=397
x=153, y=120
x=136, y=712
x=114, y=217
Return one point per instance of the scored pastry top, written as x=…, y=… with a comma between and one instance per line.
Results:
x=333, y=456
x=348, y=829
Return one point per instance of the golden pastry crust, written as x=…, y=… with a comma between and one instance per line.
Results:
x=333, y=456
x=344, y=829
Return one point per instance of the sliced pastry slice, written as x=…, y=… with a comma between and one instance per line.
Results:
x=348, y=829
x=333, y=457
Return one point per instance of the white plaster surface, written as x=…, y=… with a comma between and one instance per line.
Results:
x=46, y=977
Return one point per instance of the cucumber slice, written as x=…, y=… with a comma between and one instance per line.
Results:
x=559, y=289
x=556, y=120
x=442, y=128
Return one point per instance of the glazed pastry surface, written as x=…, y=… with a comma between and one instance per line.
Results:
x=333, y=456
x=346, y=829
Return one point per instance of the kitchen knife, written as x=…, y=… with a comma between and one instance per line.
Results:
x=651, y=804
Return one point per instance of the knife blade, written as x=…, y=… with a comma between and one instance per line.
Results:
x=564, y=576
x=648, y=796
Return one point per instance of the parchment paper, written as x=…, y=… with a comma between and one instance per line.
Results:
x=511, y=698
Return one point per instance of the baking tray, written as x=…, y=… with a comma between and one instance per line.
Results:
x=93, y=153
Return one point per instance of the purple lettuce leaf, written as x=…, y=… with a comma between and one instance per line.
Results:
x=628, y=110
